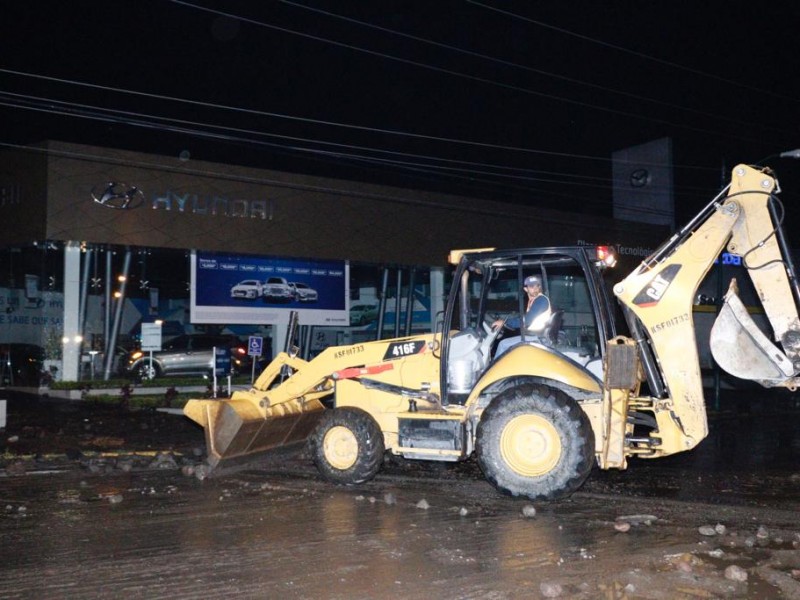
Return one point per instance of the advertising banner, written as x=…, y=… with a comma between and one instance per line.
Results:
x=242, y=289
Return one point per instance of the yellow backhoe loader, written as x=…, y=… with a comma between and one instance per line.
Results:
x=576, y=394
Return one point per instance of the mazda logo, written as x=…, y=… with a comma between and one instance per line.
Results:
x=120, y=196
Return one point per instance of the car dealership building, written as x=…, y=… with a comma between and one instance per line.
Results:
x=96, y=241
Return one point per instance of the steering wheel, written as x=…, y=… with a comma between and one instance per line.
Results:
x=492, y=318
x=490, y=336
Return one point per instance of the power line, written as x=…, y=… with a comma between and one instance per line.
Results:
x=312, y=121
x=668, y=63
x=527, y=68
x=431, y=169
x=449, y=168
x=45, y=105
x=302, y=119
x=460, y=75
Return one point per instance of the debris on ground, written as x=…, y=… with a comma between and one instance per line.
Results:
x=685, y=547
x=735, y=573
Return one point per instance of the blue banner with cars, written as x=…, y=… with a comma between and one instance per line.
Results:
x=232, y=288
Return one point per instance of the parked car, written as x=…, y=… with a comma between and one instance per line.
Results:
x=190, y=354
x=276, y=289
x=303, y=293
x=249, y=289
x=361, y=314
x=20, y=364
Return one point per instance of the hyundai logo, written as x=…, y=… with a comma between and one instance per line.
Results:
x=120, y=196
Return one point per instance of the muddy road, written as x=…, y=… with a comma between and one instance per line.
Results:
x=720, y=522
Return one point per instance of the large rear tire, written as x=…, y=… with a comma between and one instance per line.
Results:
x=535, y=441
x=347, y=446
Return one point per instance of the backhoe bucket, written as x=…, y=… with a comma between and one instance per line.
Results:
x=238, y=427
x=741, y=349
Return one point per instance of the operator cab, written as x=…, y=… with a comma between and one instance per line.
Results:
x=490, y=288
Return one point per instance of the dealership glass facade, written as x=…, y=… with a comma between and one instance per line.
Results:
x=121, y=288
x=74, y=219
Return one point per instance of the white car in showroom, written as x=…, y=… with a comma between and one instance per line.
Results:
x=276, y=289
x=363, y=314
x=303, y=293
x=249, y=289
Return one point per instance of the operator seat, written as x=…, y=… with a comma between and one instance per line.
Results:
x=551, y=329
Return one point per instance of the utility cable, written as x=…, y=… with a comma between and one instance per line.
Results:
x=45, y=104
x=463, y=75
x=430, y=168
x=674, y=65
x=529, y=69
x=303, y=119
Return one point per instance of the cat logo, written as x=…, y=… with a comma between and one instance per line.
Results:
x=652, y=293
x=119, y=196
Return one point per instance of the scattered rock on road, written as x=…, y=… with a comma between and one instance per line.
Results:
x=707, y=530
x=550, y=589
x=164, y=460
x=125, y=465
x=735, y=573
x=201, y=472
x=622, y=526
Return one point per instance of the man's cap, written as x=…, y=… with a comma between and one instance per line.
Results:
x=532, y=280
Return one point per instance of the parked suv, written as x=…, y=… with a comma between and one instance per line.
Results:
x=276, y=289
x=303, y=293
x=249, y=289
x=190, y=354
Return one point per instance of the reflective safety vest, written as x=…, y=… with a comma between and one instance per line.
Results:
x=538, y=314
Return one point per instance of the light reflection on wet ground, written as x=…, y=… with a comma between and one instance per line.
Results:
x=262, y=534
x=283, y=533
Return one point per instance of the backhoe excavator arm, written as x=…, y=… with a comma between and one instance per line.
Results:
x=660, y=294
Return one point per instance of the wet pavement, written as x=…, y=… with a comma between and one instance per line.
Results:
x=118, y=511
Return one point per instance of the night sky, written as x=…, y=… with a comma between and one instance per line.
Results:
x=519, y=101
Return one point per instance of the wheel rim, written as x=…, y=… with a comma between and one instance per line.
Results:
x=340, y=447
x=530, y=444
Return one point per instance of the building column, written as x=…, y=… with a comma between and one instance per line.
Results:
x=71, y=354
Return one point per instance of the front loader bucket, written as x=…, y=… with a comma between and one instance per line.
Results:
x=741, y=349
x=236, y=428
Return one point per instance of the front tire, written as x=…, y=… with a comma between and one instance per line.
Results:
x=535, y=441
x=145, y=371
x=347, y=446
